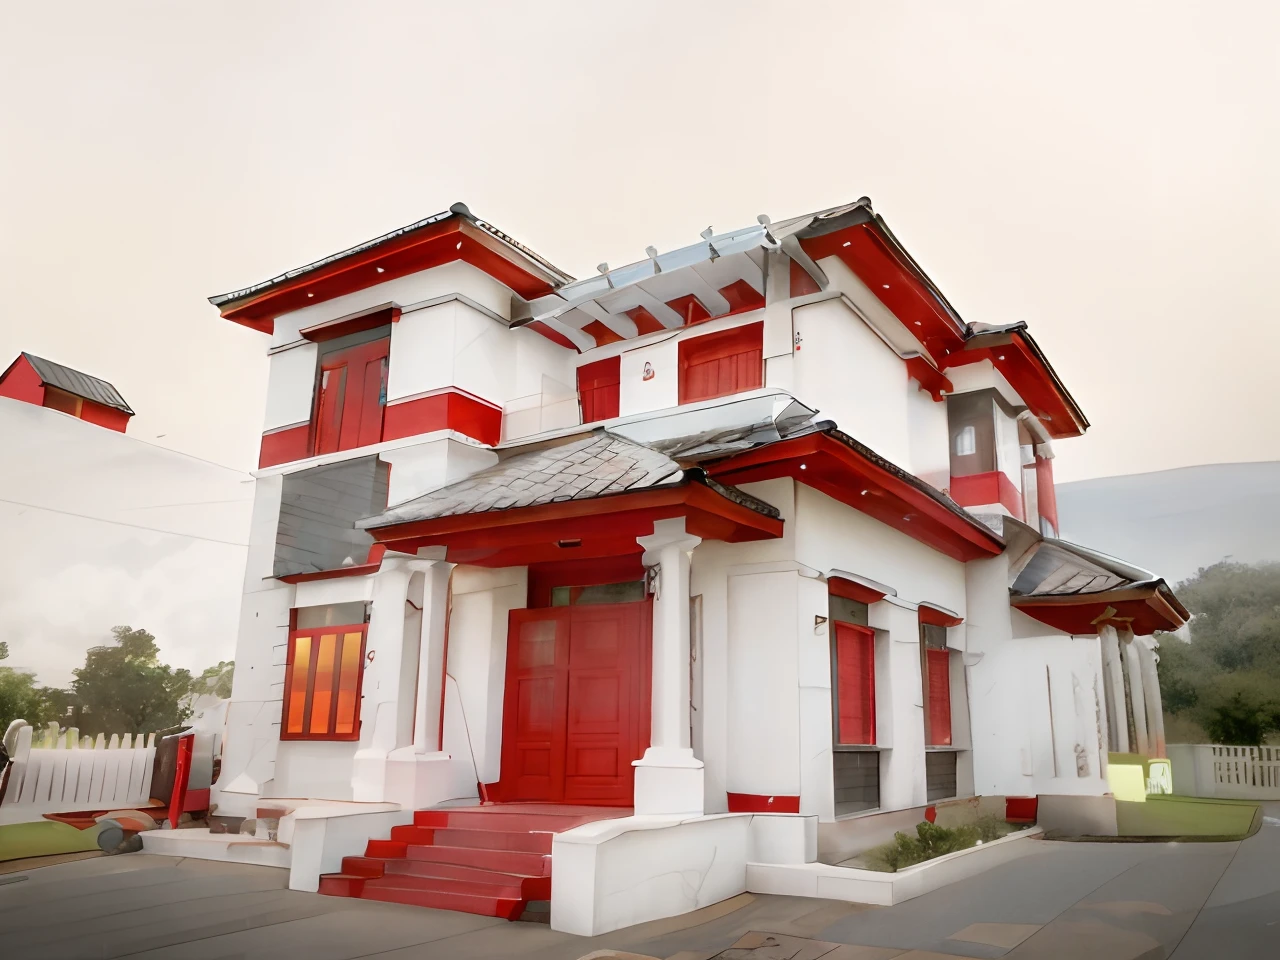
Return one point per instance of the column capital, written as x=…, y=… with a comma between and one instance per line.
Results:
x=666, y=534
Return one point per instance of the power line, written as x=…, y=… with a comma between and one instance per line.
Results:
x=121, y=523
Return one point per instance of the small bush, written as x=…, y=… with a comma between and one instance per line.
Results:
x=930, y=841
x=992, y=827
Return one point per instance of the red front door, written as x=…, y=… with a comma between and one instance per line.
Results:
x=576, y=711
x=353, y=385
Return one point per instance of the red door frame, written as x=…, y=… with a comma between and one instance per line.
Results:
x=563, y=735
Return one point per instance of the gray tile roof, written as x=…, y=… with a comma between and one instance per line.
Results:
x=593, y=466
x=77, y=384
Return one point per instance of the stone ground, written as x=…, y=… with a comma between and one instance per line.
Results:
x=1101, y=901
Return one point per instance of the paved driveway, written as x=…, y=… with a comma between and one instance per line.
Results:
x=1064, y=900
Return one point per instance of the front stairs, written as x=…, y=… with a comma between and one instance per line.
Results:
x=493, y=860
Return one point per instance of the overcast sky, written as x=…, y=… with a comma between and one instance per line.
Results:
x=1105, y=172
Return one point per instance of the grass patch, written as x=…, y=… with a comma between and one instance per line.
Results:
x=932, y=841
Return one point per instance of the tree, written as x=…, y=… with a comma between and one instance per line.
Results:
x=21, y=699
x=1227, y=679
x=215, y=680
x=124, y=688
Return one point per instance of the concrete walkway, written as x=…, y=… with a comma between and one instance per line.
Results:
x=1064, y=900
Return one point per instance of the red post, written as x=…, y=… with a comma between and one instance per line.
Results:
x=181, y=774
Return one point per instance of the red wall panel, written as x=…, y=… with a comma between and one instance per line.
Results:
x=599, y=389
x=448, y=410
x=721, y=364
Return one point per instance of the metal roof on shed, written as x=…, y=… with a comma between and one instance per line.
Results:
x=77, y=384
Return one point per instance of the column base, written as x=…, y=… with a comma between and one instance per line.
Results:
x=669, y=782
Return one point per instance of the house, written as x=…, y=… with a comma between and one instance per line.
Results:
x=44, y=383
x=755, y=538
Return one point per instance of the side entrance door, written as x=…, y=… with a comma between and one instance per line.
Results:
x=576, y=708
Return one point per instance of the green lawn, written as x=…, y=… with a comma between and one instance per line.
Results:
x=43, y=838
x=1186, y=817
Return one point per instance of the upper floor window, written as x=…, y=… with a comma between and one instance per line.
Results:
x=721, y=364
x=972, y=427
x=598, y=389
x=351, y=390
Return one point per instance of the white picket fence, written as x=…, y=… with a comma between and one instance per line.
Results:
x=1215, y=770
x=56, y=772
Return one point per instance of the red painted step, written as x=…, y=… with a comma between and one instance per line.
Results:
x=491, y=861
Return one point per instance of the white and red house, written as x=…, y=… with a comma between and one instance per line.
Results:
x=740, y=546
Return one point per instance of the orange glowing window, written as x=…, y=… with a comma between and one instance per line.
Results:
x=322, y=683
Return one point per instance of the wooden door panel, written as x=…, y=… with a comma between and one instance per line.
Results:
x=534, y=706
x=352, y=397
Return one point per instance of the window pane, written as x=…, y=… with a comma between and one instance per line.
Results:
x=348, y=684
x=322, y=697
x=940, y=775
x=331, y=615
x=628, y=592
x=298, y=684
x=856, y=776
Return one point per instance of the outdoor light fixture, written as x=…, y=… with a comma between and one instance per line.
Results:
x=885, y=285
x=309, y=294
x=381, y=270
x=848, y=243
x=565, y=544
x=803, y=467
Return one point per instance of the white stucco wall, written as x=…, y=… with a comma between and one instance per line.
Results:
x=929, y=458
x=290, y=386
x=482, y=600
x=853, y=377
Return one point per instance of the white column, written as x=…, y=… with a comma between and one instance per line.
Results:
x=1113, y=675
x=435, y=604
x=1151, y=693
x=1143, y=746
x=669, y=779
x=379, y=687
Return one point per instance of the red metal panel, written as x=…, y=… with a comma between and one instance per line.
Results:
x=285, y=446
x=21, y=382
x=721, y=364
x=599, y=389
x=1021, y=809
x=981, y=489
x=447, y=410
x=104, y=416
x=855, y=685
x=181, y=777
x=938, y=664
x=756, y=803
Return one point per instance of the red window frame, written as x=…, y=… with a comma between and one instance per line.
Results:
x=854, y=685
x=721, y=364
x=599, y=389
x=324, y=673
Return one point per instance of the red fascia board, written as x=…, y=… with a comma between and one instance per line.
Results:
x=840, y=587
x=929, y=377
x=359, y=323
x=435, y=244
x=894, y=282
x=620, y=517
x=936, y=617
x=842, y=474
x=1029, y=376
x=1144, y=611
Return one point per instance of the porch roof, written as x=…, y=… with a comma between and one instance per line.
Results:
x=591, y=494
x=1076, y=589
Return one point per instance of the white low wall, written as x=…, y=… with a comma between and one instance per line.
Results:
x=1230, y=773
x=885, y=889
x=615, y=873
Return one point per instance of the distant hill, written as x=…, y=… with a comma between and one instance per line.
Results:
x=1175, y=521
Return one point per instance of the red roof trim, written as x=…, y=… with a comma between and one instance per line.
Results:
x=832, y=466
x=437, y=243
x=1144, y=609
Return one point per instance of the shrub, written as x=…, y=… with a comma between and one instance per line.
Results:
x=929, y=842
